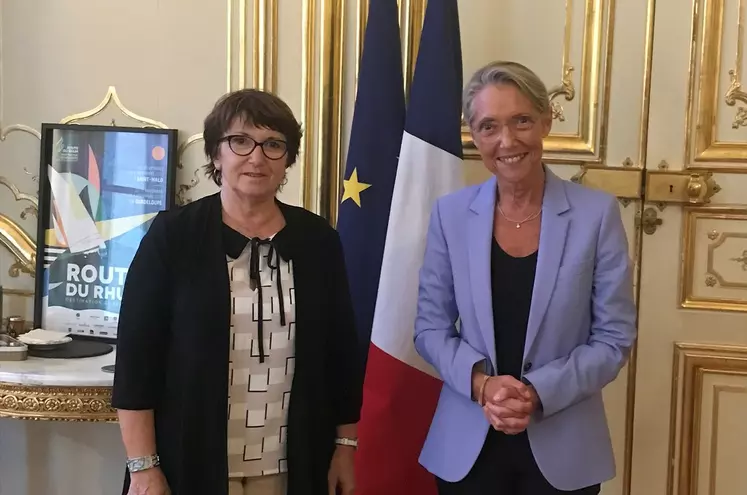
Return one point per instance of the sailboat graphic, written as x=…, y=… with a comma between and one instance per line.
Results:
x=72, y=221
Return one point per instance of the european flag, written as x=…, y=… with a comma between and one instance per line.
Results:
x=371, y=168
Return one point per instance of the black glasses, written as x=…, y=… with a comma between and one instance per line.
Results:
x=274, y=149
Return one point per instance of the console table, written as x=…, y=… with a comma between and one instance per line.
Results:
x=57, y=389
x=57, y=429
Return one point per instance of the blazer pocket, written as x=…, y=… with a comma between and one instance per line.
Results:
x=576, y=269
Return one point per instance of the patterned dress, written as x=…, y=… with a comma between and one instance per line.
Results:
x=261, y=360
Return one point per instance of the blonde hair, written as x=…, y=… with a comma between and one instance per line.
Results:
x=505, y=72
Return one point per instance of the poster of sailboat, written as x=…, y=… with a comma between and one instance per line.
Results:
x=100, y=188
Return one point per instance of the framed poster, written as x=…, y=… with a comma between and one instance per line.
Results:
x=99, y=189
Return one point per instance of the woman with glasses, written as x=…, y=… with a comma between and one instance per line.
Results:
x=236, y=366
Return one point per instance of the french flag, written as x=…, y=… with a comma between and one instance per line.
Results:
x=401, y=390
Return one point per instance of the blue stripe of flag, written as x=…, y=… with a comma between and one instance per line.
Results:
x=373, y=153
x=438, y=78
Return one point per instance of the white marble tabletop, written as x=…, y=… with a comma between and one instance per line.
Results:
x=82, y=372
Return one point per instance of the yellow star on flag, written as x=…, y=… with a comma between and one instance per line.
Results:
x=353, y=188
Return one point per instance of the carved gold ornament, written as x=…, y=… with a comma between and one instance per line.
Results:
x=735, y=93
x=20, y=245
x=56, y=403
x=742, y=260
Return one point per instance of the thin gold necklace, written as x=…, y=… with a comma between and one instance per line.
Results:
x=519, y=222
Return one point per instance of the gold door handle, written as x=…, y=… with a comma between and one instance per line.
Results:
x=650, y=221
x=701, y=187
x=663, y=186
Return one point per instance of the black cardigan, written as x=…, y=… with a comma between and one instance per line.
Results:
x=173, y=346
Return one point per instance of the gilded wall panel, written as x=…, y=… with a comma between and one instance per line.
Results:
x=569, y=47
x=707, y=433
x=717, y=103
x=714, y=261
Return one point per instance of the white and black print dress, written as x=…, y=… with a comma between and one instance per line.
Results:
x=261, y=362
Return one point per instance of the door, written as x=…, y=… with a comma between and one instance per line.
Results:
x=690, y=401
x=687, y=380
x=648, y=105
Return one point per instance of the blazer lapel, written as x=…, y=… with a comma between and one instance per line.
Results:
x=479, y=242
x=552, y=243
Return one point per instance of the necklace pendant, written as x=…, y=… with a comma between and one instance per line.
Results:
x=518, y=225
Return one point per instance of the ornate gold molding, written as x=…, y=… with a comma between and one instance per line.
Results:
x=330, y=108
x=692, y=362
x=14, y=238
x=56, y=403
x=711, y=269
x=588, y=145
x=20, y=196
x=566, y=86
x=20, y=245
x=18, y=292
x=112, y=97
x=742, y=260
x=5, y=131
x=411, y=17
x=308, y=49
x=264, y=72
x=183, y=189
x=735, y=93
x=701, y=142
x=646, y=97
x=566, y=89
x=692, y=215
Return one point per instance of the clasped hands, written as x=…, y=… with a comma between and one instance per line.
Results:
x=508, y=404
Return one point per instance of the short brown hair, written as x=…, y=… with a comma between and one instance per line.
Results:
x=252, y=106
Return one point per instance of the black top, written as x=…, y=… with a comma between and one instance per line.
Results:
x=173, y=346
x=512, y=282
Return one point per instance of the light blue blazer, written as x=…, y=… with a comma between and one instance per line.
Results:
x=582, y=324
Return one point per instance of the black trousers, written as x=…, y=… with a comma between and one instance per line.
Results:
x=506, y=466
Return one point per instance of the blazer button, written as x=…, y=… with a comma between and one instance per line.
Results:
x=527, y=366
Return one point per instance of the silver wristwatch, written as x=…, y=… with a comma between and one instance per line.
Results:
x=142, y=463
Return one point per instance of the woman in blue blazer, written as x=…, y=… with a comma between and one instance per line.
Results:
x=536, y=271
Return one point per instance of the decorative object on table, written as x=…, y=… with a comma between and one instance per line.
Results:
x=16, y=326
x=39, y=339
x=12, y=349
x=74, y=349
x=100, y=188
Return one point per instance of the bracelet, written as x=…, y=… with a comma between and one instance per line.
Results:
x=481, y=395
x=142, y=463
x=347, y=442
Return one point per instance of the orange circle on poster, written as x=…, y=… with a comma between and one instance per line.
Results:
x=158, y=153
